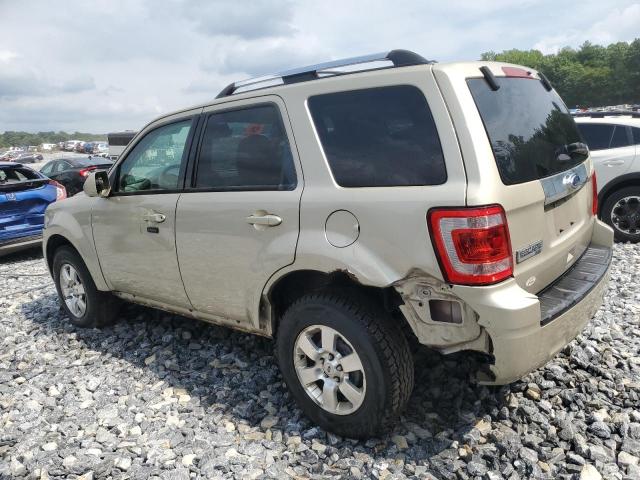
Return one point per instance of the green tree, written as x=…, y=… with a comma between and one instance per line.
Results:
x=591, y=76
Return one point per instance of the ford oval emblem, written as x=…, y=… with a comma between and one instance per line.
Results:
x=572, y=180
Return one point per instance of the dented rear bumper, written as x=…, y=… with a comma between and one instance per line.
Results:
x=527, y=330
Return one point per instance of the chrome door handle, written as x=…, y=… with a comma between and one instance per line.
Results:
x=610, y=163
x=268, y=220
x=154, y=217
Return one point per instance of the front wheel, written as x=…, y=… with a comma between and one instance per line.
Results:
x=85, y=305
x=621, y=210
x=346, y=363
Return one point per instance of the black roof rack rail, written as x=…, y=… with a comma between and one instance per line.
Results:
x=611, y=113
x=376, y=61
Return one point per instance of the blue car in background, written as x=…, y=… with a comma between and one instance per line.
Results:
x=24, y=196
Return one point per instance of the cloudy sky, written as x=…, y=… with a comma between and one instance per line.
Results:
x=103, y=65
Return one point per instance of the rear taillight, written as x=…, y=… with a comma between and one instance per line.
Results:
x=85, y=171
x=594, y=193
x=61, y=192
x=472, y=244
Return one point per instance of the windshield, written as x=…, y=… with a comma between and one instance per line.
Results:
x=530, y=129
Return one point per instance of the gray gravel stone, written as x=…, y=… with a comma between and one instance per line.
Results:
x=163, y=397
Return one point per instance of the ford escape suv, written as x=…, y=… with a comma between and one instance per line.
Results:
x=346, y=209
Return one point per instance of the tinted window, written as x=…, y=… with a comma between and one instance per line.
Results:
x=16, y=175
x=246, y=149
x=62, y=166
x=620, y=138
x=636, y=135
x=379, y=137
x=530, y=129
x=154, y=163
x=48, y=168
x=598, y=137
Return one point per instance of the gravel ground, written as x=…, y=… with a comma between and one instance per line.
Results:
x=162, y=396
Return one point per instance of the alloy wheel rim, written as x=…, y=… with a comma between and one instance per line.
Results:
x=73, y=292
x=625, y=215
x=329, y=369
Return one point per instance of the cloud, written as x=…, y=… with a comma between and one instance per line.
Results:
x=6, y=56
x=117, y=64
x=619, y=24
x=20, y=81
x=250, y=20
x=266, y=56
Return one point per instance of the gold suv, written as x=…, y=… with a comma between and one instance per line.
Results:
x=343, y=208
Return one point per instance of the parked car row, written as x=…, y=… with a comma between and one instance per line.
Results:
x=79, y=146
x=25, y=194
x=20, y=156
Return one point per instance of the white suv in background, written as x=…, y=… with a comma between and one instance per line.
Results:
x=614, y=142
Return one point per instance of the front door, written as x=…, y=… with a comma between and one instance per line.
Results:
x=134, y=228
x=239, y=222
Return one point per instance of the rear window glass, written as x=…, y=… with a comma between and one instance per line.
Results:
x=16, y=175
x=379, y=137
x=597, y=136
x=530, y=129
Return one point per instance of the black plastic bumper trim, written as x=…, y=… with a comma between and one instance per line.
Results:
x=574, y=284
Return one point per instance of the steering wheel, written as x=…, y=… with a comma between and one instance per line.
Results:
x=168, y=179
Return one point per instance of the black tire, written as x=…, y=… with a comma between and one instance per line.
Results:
x=380, y=344
x=101, y=307
x=609, y=216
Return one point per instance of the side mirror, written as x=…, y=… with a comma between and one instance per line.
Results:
x=97, y=184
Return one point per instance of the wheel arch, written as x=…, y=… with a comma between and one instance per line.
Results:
x=56, y=240
x=623, y=181
x=285, y=290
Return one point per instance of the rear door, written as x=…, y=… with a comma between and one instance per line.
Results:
x=523, y=151
x=611, y=147
x=239, y=222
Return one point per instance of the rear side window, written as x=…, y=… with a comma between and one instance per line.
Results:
x=379, y=137
x=530, y=129
x=636, y=135
x=620, y=138
x=246, y=149
x=597, y=136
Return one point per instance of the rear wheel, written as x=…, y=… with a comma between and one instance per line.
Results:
x=85, y=305
x=346, y=362
x=621, y=210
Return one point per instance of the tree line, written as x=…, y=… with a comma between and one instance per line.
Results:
x=17, y=139
x=590, y=76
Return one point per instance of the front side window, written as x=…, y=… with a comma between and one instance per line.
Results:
x=155, y=161
x=531, y=131
x=246, y=149
x=636, y=135
x=379, y=137
x=596, y=135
